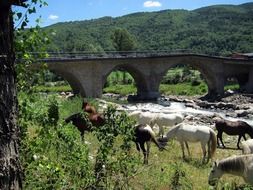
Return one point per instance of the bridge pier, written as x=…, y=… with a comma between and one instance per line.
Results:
x=216, y=87
x=249, y=85
x=144, y=96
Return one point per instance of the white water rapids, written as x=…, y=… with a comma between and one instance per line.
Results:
x=173, y=107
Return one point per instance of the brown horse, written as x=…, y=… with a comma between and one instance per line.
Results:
x=144, y=134
x=82, y=124
x=86, y=107
x=239, y=128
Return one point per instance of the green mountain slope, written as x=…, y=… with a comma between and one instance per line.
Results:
x=214, y=30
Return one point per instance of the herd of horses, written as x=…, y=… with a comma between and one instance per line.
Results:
x=240, y=165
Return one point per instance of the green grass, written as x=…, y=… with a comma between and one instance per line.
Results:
x=186, y=89
x=183, y=89
x=160, y=173
x=121, y=89
x=65, y=88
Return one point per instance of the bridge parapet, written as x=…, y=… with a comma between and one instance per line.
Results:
x=113, y=54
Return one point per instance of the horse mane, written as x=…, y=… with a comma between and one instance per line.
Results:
x=152, y=134
x=173, y=130
x=235, y=163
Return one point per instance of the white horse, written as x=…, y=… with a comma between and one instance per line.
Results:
x=241, y=165
x=145, y=118
x=142, y=117
x=185, y=133
x=247, y=146
x=166, y=120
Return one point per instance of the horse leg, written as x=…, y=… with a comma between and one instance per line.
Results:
x=203, y=146
x=239, y=138
x=187, y=147
x=82, y=136
x=244, y=137
x=182, y=147
x=137, y=146
x=148, y=149
x=219, y=137
x=209, y=150
x=161, y=130
x=144, y=153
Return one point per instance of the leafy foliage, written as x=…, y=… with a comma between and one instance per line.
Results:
x=54, y=157
x=122, y=40
x=214, y=30
x=32, y=40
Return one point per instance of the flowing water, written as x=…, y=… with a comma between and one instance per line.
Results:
x=174, y=107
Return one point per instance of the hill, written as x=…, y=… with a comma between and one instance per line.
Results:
x=214, y=30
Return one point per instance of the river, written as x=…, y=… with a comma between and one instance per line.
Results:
x=170, y=107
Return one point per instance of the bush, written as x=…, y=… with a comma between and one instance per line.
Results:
x=54, y=157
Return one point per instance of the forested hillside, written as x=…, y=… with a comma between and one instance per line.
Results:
x=215, y=30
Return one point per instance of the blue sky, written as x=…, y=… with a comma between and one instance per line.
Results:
x=66, y=10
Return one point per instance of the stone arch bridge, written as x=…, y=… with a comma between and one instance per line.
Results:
x=87, y=73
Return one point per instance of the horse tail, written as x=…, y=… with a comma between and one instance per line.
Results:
x=213, y=142
x=249, y=129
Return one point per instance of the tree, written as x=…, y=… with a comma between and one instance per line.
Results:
x=123, y=40
x=10, y=169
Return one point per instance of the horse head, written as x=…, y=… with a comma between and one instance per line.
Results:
x=214, y=174
x=88, y=108
x=162, y=142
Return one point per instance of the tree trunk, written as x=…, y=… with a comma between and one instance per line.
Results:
x=10, y=168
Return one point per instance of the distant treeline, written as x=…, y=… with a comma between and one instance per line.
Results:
x=214, y=30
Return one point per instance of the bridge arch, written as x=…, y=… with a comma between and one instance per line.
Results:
x=139, y=79
x=207, y=74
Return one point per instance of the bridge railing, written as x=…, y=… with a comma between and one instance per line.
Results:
x=111, y=54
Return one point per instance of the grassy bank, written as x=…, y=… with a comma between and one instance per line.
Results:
x=186, y=89
x=54, y=157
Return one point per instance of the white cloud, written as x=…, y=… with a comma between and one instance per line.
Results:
x=152, y=4
x=53, y=17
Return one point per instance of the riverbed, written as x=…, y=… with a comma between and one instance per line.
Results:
x=235, y=107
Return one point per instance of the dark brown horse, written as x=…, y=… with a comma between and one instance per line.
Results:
x=144, y=134
x=239, y=128
x=86, y=107
x=82, y=124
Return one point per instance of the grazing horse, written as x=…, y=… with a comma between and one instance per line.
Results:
x=247, y=146
x=190, y=133
x=82, y=124
x=142, y=117
x=239, y=128
x=166, y=120
x=241, y=165
x=144, y=134
x=86, y=107
x=159, y=119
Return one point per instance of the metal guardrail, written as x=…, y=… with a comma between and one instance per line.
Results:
x=110, y=54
